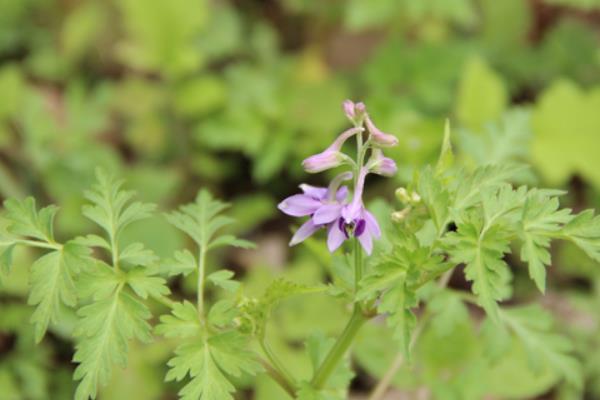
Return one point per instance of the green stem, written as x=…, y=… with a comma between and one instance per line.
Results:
x=277, y=377
x=358, y=267
x=276, y=364
x=33, y=243
x=201, y=274
x=342, y=344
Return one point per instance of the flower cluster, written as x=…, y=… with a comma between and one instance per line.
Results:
x=329, y=207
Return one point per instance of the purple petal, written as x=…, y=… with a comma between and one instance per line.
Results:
x=327, y=213
x=342, y=194
x=348, y=106
x=366, y=241
x=335, y=237
x=306, y=230
x=360, y=227
x=322, y=161
x=299, y=205
x=314, y=191
x=381, y=138
x=371, y=224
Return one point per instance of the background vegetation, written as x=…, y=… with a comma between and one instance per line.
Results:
x=232, y=95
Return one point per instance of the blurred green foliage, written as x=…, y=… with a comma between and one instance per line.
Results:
x=232, y=95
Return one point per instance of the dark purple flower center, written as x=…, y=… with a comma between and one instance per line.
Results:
x=355, y=228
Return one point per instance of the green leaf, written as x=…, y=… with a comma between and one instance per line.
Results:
x=183, y=323
x=486, y=178
x=584, y=231
x=144, y=283
x=103, y=331
x=210, y=363
x=6, y=260
x=565, y=124
x=183, y=262
x=25, y=220
x=222, y=278
x=435, y=197
x=482, y=96
x=482, y=252
x=532, y=326
x=446, y=159
x=136, y=254
x=111, y=207
x=448, y=312
x=201, y=221
x=53, y=284
x=540, y=220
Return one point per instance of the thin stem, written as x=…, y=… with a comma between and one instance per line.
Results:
x=342, y=344
x=278, y=378
x=277, y=364
x=201, y=274
x=33, y=243
x=399, y=360
x=339, y=349
x=358, y=267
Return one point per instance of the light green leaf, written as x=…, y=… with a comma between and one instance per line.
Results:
x=183, y=323
x=183, y=262
x=103, y=333
x=532, y=326
x=111, y=208
x=584, y=231
x=210, y=363
x=136, y=254
x=541, y=219
x=25, y=220
x=482, y=96
x=144, y=283
x=53, y=285
x=223, y=279
x=482, y=252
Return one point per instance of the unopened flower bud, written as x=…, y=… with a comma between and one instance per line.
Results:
x=330, y=157
x=355, y=111
x=399, y=216
x=381, y=165
x=380, y=138
x=402, y=195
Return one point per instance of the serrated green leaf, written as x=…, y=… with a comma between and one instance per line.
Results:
x=144, y=283
x=482, y=252
x=183, y=262
x=541, y=218
x=532, y=325
x=209, y=363
x=136, y=254
x=103, y=331
x=111, y=207
x=183, y=323
x=469, y=187
x=223, y=279
x=584, y=231
x=25, y=220
x=53, y=284
x=92, y=241
x=230, y=240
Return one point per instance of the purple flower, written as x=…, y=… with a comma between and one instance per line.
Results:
x=330, y=157
x=354, y=220
x=354, y=111
x=380, y=138
x=320, y=203
x=381, y=165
